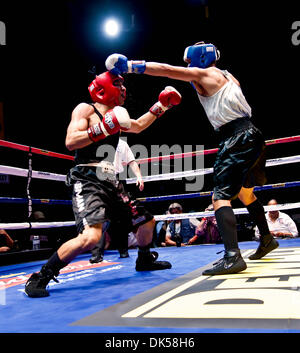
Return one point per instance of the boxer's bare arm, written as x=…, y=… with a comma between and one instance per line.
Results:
x=167, y=98
x=211, y=79
x=142, y=123
x=174, y=72
x=77, y=135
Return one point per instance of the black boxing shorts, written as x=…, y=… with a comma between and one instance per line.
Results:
x=97, y=200
x=241, y=159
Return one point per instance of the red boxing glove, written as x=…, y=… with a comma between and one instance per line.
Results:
x=166, y=100
x=169, y=97
x=108, y=126
x=114, y=120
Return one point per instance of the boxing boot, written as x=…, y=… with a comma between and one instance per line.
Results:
x=96, y=258
x=147, y=262
x=36, y=284
x=267, y=244
x=232, y=262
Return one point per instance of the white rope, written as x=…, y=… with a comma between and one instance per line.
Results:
x=188, y=173
x=38, y=225
x=286, y=206
x=59, y=177
x=35, y=174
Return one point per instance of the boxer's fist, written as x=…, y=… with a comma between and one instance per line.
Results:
x=166, y=100
x=118, y=64
x=169, y=97
x=122, y=117
x=113, y=121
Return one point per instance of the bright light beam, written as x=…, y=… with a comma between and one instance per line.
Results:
x=112, y=27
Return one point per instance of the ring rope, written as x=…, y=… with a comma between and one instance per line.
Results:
x=59, y=177
x=237, y=211
x=209, y=193
x=40, y=151
x=188, y=173
x=167, y=176
x=35, y=150
x=4, y=169
x=36, y=225
x=210, y=151
x=18, y=200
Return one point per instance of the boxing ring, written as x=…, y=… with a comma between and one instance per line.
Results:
x=111, y=297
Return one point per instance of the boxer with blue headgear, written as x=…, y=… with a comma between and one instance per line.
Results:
x=201, y=55
x=240, y=162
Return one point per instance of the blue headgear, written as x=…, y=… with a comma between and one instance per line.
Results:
x=201, y=55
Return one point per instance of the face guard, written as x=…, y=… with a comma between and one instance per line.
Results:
x=106, y=89
x=201, y=55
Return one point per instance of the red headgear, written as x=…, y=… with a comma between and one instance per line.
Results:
x=105, y=89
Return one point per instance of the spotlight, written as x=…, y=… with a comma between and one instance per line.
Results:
x=112, y=27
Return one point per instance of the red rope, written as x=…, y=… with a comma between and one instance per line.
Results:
x=17, y=146
x=211, y=151
x=40, y=151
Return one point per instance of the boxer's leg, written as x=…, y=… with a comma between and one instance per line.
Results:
x=146, y=260
x=85, y=241
x=257, y=213
x=232, y=262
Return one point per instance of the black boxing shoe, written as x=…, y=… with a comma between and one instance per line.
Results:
x=123, y=253
x=35, y=286
x=96, y=258
x=232, y=262
x=267, y=244
x=147, y=262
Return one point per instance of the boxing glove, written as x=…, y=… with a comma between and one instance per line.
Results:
x=114, y=120
x=118, y=64
x=166, y=100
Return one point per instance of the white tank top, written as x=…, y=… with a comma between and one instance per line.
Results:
x=226, y=105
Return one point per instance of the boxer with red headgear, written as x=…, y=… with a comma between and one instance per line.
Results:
x=107, y=89
x=96, y=198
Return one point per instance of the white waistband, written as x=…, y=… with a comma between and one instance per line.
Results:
x=105, y=165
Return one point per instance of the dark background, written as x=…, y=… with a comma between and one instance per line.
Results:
x=51, y=46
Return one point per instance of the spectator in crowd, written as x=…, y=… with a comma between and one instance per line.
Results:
x=161, y=230
x=280, y=224
x=207, y=230
x=180, y=231
x=6, y=242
